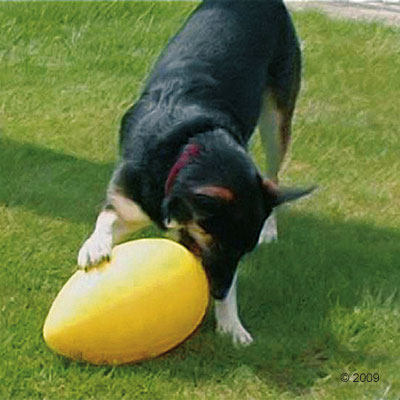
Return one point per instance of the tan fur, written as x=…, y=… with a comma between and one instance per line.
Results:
x=128, y=210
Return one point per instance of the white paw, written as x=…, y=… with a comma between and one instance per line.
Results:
x=237, y=331
x=269, y=232
x=96, y=249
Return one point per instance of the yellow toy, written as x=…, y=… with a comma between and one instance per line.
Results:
x=148, y=299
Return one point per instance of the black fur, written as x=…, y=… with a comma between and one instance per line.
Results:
x=206, y=88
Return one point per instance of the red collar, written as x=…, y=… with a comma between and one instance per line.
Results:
x=192, y=150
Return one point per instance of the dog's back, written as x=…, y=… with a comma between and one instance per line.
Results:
x=226, y=55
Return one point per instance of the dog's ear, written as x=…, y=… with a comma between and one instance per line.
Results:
x=216, y=192
x=275, y=195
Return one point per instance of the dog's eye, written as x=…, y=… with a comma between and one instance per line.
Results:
x=202, y=199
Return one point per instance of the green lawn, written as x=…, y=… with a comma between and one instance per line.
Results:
x=322, y=301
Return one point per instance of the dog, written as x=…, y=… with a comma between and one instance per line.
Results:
x=183, y=164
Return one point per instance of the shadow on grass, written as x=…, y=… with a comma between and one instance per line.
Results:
x=51, y=183
x=288, y=293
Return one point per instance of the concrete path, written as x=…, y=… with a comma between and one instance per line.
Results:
x=387, y=12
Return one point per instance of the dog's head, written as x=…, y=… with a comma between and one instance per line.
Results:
x=218, y=203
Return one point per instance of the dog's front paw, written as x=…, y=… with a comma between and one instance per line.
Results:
x=95, y=250
x=237, y=331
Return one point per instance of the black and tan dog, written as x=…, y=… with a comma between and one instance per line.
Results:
x=234, y=65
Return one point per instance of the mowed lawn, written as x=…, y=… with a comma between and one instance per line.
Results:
x=322, y=301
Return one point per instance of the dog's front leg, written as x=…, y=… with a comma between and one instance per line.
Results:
x=98, y=247
x=227, y=317
x=119, y=218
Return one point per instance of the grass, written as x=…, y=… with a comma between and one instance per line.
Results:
x=322, y=301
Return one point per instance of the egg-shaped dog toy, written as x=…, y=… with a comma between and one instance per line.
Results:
x=150, y=296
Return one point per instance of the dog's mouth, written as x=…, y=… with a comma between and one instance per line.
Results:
x=189, y=242
x=191, y=235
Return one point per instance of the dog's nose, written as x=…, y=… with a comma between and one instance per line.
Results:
x=219, y=293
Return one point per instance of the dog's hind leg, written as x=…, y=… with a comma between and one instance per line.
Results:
x=268, y=126
x=276, y=116
x=275, y=130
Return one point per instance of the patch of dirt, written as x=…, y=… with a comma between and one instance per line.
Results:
x=386, y=12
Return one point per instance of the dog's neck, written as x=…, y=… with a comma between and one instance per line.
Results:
x=191, y=151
